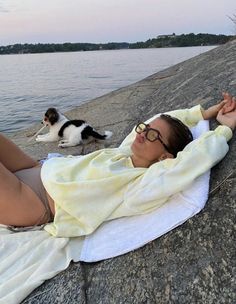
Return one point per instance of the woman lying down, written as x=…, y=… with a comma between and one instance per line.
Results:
x=74, y=195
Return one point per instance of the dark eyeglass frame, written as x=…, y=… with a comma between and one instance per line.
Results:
x=147, y=129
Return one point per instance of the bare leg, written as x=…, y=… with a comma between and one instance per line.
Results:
x=19, y=205
x=12, y=157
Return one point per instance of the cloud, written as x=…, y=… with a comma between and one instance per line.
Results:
x=8, y=7
x=3, y=9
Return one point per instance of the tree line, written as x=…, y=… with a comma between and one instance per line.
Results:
x=158, y=42
x=183, y=40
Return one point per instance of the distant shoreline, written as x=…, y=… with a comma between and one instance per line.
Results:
x=161, y=41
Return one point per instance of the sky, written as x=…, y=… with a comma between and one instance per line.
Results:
x=102, y=21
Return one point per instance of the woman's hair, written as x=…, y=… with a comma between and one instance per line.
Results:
x=180, y=134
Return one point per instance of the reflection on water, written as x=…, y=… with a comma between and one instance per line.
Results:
x=31, y=83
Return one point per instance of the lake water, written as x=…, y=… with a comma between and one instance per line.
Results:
x=31, y=83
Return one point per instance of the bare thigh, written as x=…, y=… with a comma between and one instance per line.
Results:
x=12, y=157
x=19, y=205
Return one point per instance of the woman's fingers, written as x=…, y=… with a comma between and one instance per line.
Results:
x=230, y=102
x=234, y=100
x=229, y=106
x=227, y=96
x=220, y=113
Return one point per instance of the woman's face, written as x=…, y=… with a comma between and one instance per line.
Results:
x=145, y=152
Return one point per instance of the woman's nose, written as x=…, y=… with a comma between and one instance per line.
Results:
x=142, y=135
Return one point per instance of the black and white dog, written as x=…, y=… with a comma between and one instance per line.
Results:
x=69, y=133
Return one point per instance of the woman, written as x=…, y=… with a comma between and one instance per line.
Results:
x=82, y=192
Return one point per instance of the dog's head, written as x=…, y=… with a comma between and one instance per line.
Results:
x=51, y=117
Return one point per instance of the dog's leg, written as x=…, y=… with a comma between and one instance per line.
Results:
x=64, y=145
x=38, y=137
x=63, y=141
x=46, y=138
x=67, y=143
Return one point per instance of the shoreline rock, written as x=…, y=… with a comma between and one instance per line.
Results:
x=194, y=263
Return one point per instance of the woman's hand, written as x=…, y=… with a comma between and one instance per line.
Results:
x=228, y=104
x=227, y=115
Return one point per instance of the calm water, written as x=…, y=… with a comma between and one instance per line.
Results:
x=29, y=84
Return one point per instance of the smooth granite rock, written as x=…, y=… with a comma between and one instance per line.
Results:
x=196, y=262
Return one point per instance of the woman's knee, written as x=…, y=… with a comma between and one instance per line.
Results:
x=19, y=205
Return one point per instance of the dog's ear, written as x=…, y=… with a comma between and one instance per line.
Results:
x=52, y=115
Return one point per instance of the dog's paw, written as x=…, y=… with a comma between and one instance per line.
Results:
x=62, y=144
x=38, y=138
x=66, y=144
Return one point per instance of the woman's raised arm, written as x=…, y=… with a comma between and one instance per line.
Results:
x=168, y=177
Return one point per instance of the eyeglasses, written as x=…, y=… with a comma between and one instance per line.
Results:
x=150, y=133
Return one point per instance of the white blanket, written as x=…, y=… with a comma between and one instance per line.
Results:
x=27, y=259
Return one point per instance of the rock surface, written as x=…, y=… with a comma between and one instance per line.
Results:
x=195, y=263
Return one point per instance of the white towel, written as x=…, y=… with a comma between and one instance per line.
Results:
x=27, y=259
x=125, y=234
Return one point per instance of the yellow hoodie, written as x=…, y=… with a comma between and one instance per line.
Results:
x=104, y=185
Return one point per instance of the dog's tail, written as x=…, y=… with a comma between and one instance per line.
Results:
x=107, y=135
x=89, y=131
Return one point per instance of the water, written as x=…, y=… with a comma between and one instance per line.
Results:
x=31, y=83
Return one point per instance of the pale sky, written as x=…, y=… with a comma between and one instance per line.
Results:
x=101, y=21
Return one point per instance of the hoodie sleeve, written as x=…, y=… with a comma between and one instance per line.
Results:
x=168, y=177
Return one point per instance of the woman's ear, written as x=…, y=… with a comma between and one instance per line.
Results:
x=165, y=155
